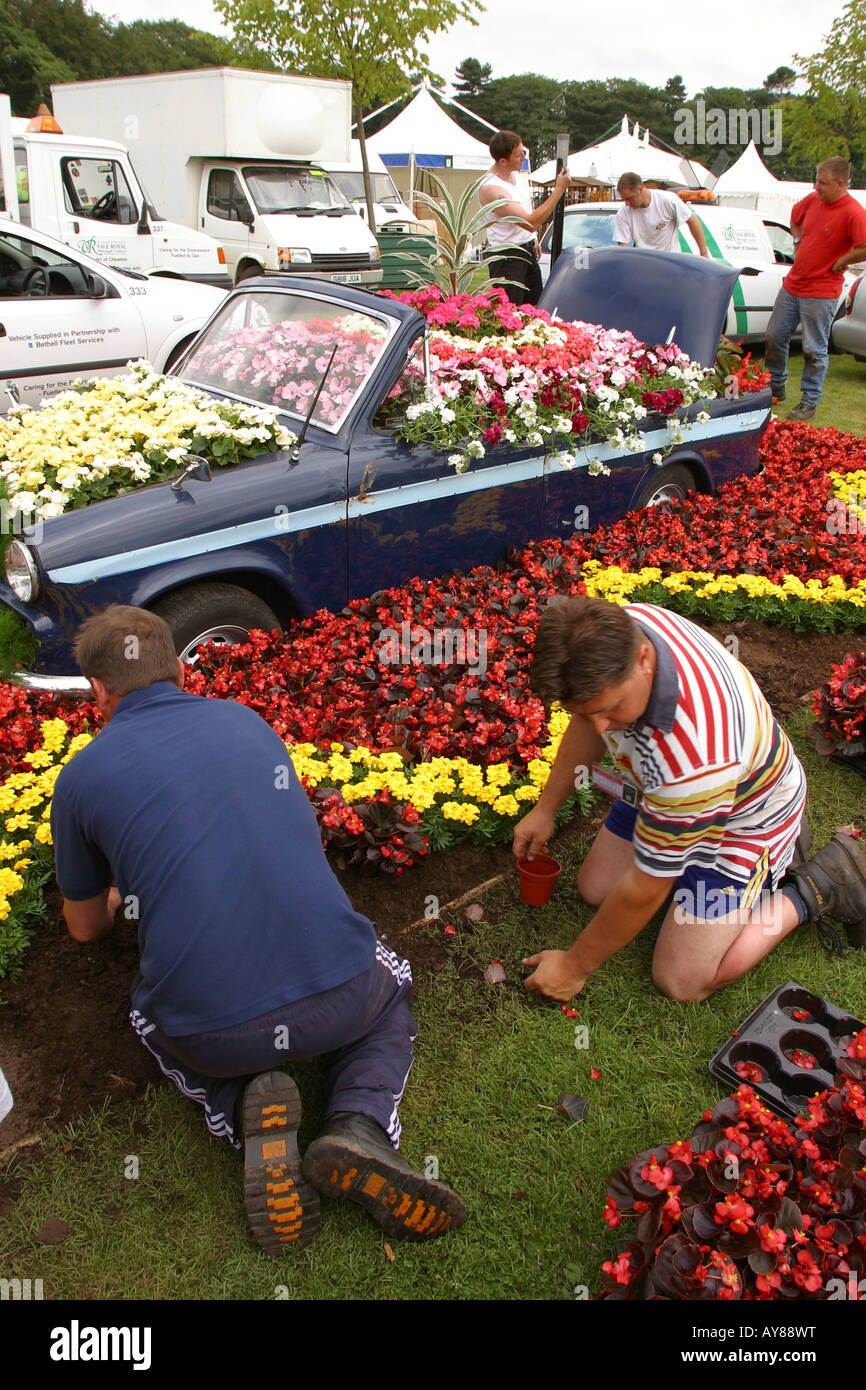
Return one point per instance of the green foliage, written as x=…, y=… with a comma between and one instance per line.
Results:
x=447, y=265
x=46, y=41
x=831, y=120
x=17, y=929
x=17, y=644
x=472, y=77
x=532, y=105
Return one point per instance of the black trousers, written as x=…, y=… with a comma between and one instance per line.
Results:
x=365, y=1025
x=519, y=267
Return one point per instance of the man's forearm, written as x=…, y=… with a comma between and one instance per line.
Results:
x=629, y=905
x=89, y=920
x=852, y=257
x=580, y=746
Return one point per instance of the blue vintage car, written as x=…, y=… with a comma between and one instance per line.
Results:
x=356, y=509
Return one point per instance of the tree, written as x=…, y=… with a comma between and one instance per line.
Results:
x=27, y=67
x=530, y=104
x=780, y=80
x=374, y=43
x=472, y=78
x=832, y=119
x=674, y=94
x=169, y=45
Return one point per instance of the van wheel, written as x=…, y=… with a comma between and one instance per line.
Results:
x=219, y=613
x=668, y=485
x=248, y=272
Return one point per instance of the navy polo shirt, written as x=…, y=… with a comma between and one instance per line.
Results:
x=193, y=807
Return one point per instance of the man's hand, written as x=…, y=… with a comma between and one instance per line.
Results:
x=532, y=834
x=563, y=182
x=115, y=901
x=554, y=976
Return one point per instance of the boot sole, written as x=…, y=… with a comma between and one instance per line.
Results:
x=406, y=1205
x=282, y=1209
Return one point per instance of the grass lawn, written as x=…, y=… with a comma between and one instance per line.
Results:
x=843, y=403
x=490, y=1062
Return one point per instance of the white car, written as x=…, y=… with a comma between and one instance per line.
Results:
x=64, y=316
x=848, y=333
x=763, y=248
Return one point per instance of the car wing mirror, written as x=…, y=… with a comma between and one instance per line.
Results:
x=749, y=270
x=197, y=468
x=13, y=393
x=96, y=287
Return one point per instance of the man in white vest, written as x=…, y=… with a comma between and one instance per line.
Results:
x=512, y=246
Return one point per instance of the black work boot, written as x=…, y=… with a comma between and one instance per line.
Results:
x=353, y=1158
x=282, y=1209
x=833, y=883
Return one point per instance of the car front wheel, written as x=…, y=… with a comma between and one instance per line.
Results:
x=219, y=613
x=667, y=485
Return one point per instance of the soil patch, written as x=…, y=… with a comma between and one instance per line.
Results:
x=66, y=1043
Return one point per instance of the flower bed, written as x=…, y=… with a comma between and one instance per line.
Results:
x=840, y=710
x=399, y=756
x=501, y=374
x=750, y=1207
x=111, y=435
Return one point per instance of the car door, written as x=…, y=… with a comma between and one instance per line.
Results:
x=227, y=214
x=411, y=514
x=100, y=212
x=53, y=329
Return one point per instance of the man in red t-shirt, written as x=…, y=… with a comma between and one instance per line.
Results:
x=829, y=231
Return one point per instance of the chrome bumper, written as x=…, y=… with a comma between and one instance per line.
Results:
x=60, y=685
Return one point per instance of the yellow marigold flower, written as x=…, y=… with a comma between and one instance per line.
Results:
x=18, y=823
x=528, y=792
x=506, y=806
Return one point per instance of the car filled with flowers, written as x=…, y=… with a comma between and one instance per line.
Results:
x=318, y=443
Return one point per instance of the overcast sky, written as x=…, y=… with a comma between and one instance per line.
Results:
x=711, y=43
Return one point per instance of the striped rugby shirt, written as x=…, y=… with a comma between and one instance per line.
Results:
x=720, y=784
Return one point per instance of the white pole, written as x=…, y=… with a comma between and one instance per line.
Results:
x=7, y=159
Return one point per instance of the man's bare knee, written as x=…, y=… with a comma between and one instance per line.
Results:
x=590, y=889
x=681, y=991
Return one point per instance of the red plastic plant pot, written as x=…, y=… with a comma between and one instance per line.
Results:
x=537, y=877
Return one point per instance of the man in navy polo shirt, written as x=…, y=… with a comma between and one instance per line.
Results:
x=251, y=953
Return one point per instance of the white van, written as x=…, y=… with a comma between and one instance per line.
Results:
x=239, y=156
x=85, y=192
x=389, y=210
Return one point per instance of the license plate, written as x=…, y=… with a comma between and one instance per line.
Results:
x=347, y=279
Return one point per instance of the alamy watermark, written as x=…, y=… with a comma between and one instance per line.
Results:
x=15, y=522
x=736, y=126
x=420, y=646
x=846, y=518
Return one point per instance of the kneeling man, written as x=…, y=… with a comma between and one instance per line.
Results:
x=251, y=953
x=710, y=803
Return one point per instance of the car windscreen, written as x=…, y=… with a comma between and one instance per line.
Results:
x=280, y=188
x=351, y=183
x=273, y=347
x=584, y=229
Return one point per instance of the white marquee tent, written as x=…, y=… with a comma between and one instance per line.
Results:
x=425, y=134
x=628, y=151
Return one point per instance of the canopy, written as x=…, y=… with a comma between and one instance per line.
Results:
x=629, y=152
x=748, y=174
x=428, y=133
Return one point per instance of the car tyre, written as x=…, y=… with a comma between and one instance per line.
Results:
x=667, y=485
x=220, y=613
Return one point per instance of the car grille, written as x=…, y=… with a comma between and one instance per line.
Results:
x=352, y=261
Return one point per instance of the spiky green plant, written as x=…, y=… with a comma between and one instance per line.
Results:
x=448, y=264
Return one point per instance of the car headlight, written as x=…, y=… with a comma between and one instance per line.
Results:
x=22, y=572
x=294, y=255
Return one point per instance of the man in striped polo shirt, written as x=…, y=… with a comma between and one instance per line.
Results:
x=710, y=803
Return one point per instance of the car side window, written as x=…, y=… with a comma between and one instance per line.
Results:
x=225, y=197
x=97, y=188
x=782, y=243
x=31, y=271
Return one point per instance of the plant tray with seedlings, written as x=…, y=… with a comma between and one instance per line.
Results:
x=788, y=1048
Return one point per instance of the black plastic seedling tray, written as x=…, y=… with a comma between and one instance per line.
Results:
x=772, y=1034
